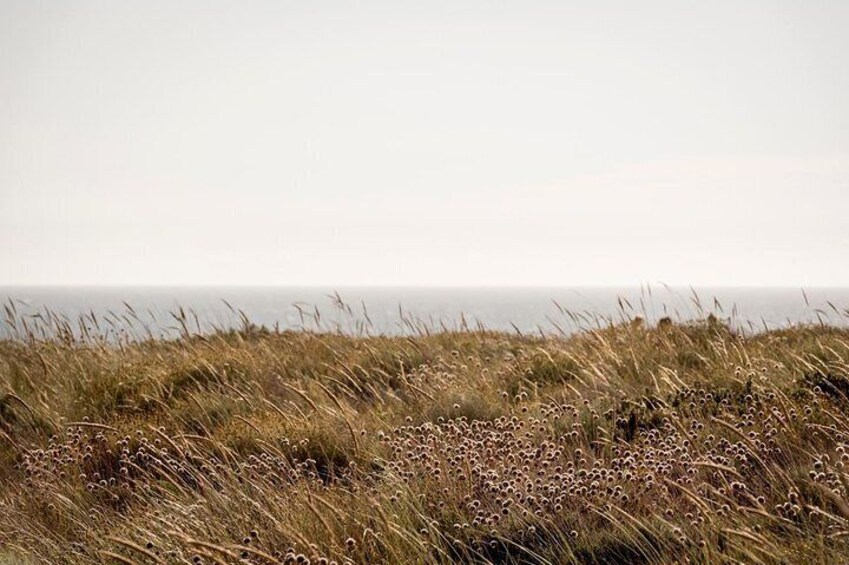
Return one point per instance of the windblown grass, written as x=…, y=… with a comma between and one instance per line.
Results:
x=624, y=444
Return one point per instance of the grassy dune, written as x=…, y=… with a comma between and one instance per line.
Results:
x=628, y=444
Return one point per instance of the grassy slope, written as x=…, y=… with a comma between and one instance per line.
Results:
x=627, y=444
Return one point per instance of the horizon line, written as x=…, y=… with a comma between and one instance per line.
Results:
x=324, y=286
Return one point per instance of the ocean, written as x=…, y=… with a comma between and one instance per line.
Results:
x=138, y=312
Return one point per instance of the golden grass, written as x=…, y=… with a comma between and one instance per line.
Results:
x=624, y=444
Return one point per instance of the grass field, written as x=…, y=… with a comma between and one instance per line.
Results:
x=681, y=443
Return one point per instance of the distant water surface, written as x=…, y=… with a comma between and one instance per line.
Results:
x=136, y=311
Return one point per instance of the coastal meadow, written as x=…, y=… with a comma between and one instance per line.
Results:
x=675, y=442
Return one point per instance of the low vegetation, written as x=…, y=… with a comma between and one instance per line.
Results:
x=679, y=443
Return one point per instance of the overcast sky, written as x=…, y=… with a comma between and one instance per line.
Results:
x=424, y=143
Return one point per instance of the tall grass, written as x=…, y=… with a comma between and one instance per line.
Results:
x=623, y=443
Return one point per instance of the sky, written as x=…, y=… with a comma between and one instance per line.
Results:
x=424, y=143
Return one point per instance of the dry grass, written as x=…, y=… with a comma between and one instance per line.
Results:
x=627, y=444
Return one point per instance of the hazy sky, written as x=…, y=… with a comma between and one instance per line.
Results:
x=424, y=143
